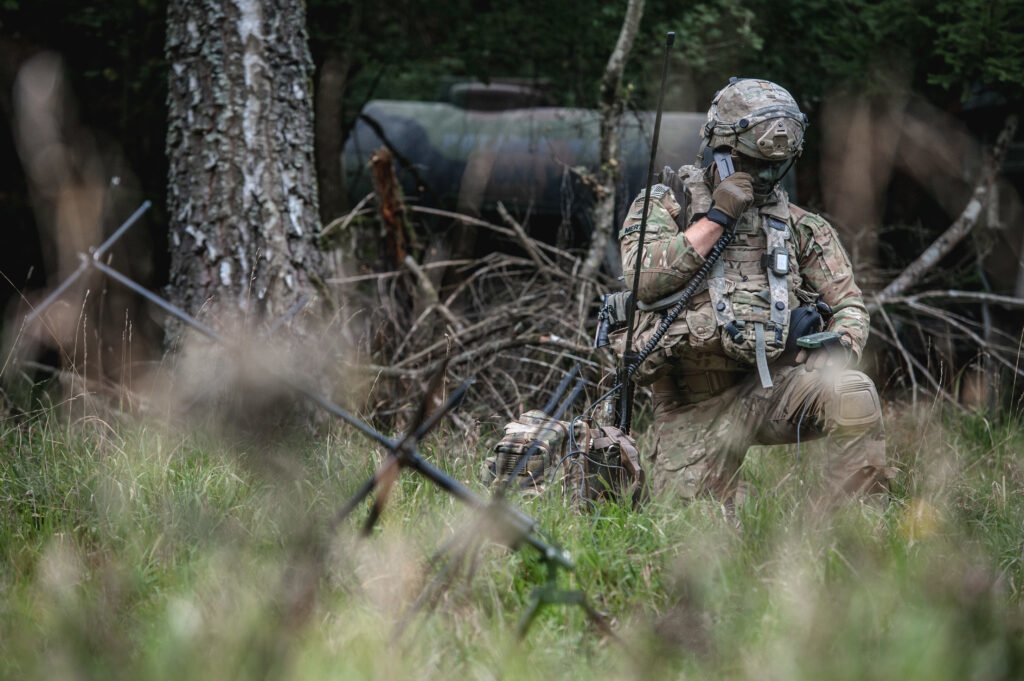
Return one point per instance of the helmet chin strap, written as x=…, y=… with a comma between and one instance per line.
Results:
x=792, y=162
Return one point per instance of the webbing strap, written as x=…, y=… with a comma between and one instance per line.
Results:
x=720, y=302
x=762, y=358
x=777, y=232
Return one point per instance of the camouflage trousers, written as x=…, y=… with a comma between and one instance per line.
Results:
x=706, y=421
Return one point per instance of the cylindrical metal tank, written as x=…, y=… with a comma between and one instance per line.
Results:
x=471, y=159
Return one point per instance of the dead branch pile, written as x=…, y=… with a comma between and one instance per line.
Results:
x=932, y=332
x=515, y=319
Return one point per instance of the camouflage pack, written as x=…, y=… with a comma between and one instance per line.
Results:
x=592, y=462
x=605, y=466
x=536, y=436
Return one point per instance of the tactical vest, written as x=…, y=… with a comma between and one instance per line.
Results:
x=744, y=310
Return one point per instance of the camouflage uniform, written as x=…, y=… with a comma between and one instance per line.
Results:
x=710, y=404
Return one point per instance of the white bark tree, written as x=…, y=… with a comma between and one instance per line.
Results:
x=611, y=107
x=242, y=193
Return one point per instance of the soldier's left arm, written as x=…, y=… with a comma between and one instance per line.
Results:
x=826, y=268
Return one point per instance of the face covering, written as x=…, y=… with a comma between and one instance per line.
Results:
x=765, y=174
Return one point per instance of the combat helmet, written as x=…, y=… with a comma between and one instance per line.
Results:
x=762, y=124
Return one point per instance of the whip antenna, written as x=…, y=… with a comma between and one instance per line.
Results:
x=626, y=406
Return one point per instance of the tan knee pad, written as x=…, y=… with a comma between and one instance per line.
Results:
x=855, y=401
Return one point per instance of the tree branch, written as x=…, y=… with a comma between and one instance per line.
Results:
x=611, y=111
x=963, y=296
x=960, y=228
x=528, y=244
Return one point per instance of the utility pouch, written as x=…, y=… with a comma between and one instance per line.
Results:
x=595, y=462
x=809, y=318
x=604, y=465
x=804, y=320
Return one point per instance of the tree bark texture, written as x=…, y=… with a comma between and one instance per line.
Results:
x=242, y=193
x=611, y=107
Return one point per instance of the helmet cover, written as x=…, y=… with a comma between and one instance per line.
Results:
x=757, y=118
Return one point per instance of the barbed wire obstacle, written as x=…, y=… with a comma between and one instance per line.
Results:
x=507, y=524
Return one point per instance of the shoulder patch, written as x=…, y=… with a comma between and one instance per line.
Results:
x=658, y=192
x=663, y=208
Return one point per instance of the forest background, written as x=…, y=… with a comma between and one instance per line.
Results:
x=136, y=548
x=964, y=58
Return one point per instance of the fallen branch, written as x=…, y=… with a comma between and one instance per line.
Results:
x=951, y=320
x=528, y=244
x=904, y=353
x=962, y=296
x=960, y=228
x=509, y=320
x=426, y=287
x=396, y=273
x=469, y=220
x=939, y=390
x=342, y=223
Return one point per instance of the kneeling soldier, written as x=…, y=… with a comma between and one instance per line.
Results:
x=729, y=374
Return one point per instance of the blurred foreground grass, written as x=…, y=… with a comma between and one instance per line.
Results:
x=133, y=551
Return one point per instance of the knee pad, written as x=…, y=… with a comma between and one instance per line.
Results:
x=855, y=400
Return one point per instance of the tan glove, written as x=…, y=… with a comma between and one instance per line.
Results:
x=821, y=358
x=731, y=197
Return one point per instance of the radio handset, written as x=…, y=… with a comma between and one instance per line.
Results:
x=723, y=159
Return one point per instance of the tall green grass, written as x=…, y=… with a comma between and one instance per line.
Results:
x=131, y=550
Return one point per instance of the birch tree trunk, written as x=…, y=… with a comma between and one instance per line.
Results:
x=242, y=194
x=611, y=107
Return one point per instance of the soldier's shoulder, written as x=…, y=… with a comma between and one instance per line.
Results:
x=661, y=213
x=803, y=216
x=659, y=192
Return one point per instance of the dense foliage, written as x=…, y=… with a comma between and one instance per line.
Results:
x=407, y=48
x=949, y=50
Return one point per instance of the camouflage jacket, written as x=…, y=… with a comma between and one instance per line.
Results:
x=821, y=266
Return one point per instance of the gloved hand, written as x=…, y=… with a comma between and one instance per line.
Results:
x=821, y=358
x=731, y=198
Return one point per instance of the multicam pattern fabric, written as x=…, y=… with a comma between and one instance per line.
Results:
x=607, y=466
x=709, y=406
x=533, y=434
x=758, y=118
x=601, y=462
x=821, y=263
x=702, y=444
